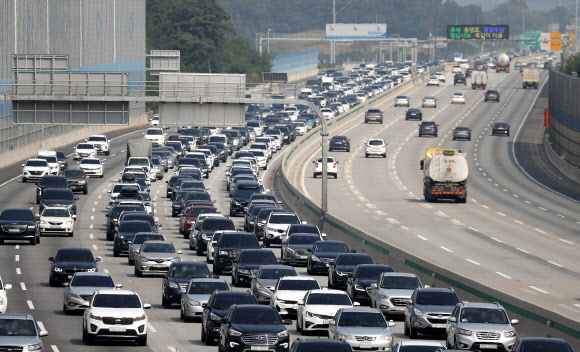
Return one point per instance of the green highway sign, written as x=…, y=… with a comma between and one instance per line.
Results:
x=529, y=43
x=530, y=36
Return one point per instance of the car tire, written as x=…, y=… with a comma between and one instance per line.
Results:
x=142, y=340
x=385, y=155
x=314, y=175
x=508, y=134
x=65, y=310
x=131, y=262
x=199, y=251
x=335, y=176
x=218, y=269
x=88, y=338
x=138, y=273
x=115, y=252
x=33, y=241
x=366, y=155
x=165, y=302
x=454, y=138
x=204, y=336
x=412, y=333
x=24, y=180
x=71, y=234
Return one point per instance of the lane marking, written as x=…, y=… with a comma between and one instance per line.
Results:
x=23, y=286
x=95, y=247
x=497, y=240
x=502, y=274
x=502, y=214
x=91, y=236
x=522, y=250
x=556, y=264
x=151, y=327
x=30, y=305
x=565, y=241
x=560, y=215
x=91, y=226
x=423, y=238
x=519, y=222
x=106, y=271
x=538, y=289
x=54, y=348
x=16, y=258
x=18, y=271
x=544, y=209
x=446, y=249
x=41, y=325
x=404, y=228
x=472, y=261
x=17, y=246
x=540, y=231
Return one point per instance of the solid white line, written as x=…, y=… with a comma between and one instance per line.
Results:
x=91, y=236
x=151, y=327
x=472, y=261
x=519, y=222
x=537, y=289
x=556, y=264
x=423, y=238
x=54, y=348
x=23, y=286
x=16, y=258
x=522, y=250
x=446, y=249
x=497, y=240
x=18, y=271
x=30, y=305
x=565, y=241
x=504, y=275
x=540, y=231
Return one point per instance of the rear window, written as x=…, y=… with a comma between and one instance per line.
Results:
x=375, y=142
x=218, y=224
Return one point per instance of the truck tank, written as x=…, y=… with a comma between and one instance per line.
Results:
x=502, y=63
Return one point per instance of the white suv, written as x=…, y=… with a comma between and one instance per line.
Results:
x=100, y=142
x=85, y=150
x=3, y=299
x=375, y=147
x=331, y=167
x=156, y=136
x=34, y=169
x=115, y=314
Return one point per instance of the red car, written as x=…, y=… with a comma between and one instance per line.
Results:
x=188, y=217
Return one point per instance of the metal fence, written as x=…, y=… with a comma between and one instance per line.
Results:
x=564, y=105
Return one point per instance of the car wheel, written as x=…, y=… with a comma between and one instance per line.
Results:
x=199, y=251
x=65, y=310
x=314, y=175
x=381, y=122
x=165, y=302
x=508, y=134
x=24, y=180
x=454, y=138
x=366, y=155
x=218, y=269
x=298, y=326
x=335, y=176
x=88, y=338
x=33, y=241
x=412, y=332
x=142, y=340
x=131, y=262
x=385, y=155
x=204, y=335
x=138, y=273
x=115, y=252
x=420, y=135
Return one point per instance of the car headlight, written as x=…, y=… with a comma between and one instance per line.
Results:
x=176, y=259
x=510, y=333
x=57, y=269
x=235, y=333
x=74, y=294
x=288, y=249
x=243, y=271
x=141, y=317
x=215, y=317
x=383, y=296
x=70, y=222
x=341, y=273
x=385, y=337
x=204, y=236
x=193, y=303
x=43, y=222
x=31, y=227
x=358, y=287
x=282, y=333
x=223, y=252
x=418, y=312
x=91, y=270
x=345, y=337
x=315, y=258
x=95, y=317
x=143, y=259
x=464, y=332
x=174, y=285
x=35, y=347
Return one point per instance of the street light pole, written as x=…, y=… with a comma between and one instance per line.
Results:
x=269, y=41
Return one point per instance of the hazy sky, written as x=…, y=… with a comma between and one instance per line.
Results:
x=532, y=4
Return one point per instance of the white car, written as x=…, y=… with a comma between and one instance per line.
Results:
x=456, y=69
x=361, y=97
x=155, y=121
x=292, y=112
x=51, y=159
x=440, y=76
x=93, y=167
x=402, y=100
x=261, y=157
x=57, y=219
x=34, y=169
x=331, y=167
x=3, y=298
x=458, y=98
x=115, y=314
x=289, y=290
x=100, y=142
x=269, y=141
x=328, y=113
x=375, y=146
x=433, y=81
x=318, y=307
x=85, y=150
x=301, y=128
x=156, y=136
x=276, y=226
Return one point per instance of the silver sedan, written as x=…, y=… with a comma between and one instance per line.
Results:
x=155, y=257
x=197, y=293
x=80, y=289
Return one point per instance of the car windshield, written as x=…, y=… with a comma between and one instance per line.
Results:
x=17, y=214
x=116, y=301
x=218, y=224
x=62, y=194
x=225, y=301
x=139, y=239
x=73, y=173
x=118, y=210
x=372, y=272
x=483, y=316
x=375, y=142
x=303, y=239
x=298, y=285
x=303, y=228
x=194, y=212
x=56, y=212
x=437, y=298
x=53, y=181
x=284, y=219
x=90, y=161
x=329, y=299
x=184, y=271
x=239, y=241
x=134, y=226
x=85, y=146
x=331, y=247
x=257, y=257
x=207, y=288
x=244, y=192
x=17, y=327
x=157, y=248
x=49, y=159
x=36, y=163
x=74, y=256
x=155, y=132
x=92, y=281
x=97, y=139
x=197, y=196
x=420, y=348
x=362, y=319
x=400, y=282
x=353, y=260
x=274, y=274
x=257, y=317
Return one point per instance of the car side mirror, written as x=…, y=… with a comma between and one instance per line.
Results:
x=118, y=285
x=287, y=321
x=313, y=161
x=391, y=323
x=107, y=215
x=374, y=285
x=515, y=322
x=166, y=181
x=146, y=306
x=37, y=217
x=452, y=319
x=8, y=287
x=353, y=250
x=355, y=304
x=98, y=259
x=179, y=252
x=332, y=322
x=204, y=305
x=51, y=259
x=43, y=333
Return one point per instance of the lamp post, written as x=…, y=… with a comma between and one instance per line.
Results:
x=269, y=41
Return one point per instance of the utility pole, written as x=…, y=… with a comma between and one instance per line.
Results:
x=269, y=41
x=523, y=20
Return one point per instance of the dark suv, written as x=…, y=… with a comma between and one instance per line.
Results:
x=363, y=275
x=322, y=254
x=58, y=196
x=207, y=227
x=77, y=180
x=428, y=310
x=248, y=262
x=491, y=95
x=20, y=225
x=229, y=247
x=428, y=128
x=176, y=280
x=215, y=310
x=244, y=190
x=49, y=181
x=343, y=266
x=459, y=78
x=251, y=326
x=115, y=212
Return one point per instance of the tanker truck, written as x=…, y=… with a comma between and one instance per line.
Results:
x=444, y=175
x=502, y=63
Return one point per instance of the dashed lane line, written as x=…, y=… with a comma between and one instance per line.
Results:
x=23, y=286
x=502, y=274
x=30, y=305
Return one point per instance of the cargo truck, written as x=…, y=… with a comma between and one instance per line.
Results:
x=444, y=175
x=478, y=79
x=139, y=153
x=530, y=77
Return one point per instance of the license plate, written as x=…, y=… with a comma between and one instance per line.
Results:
x=54, y=226
x=259, y=348
x=366, y=345
x=117, y=329
x=488, y=346
x=438, y=326
x=399, y=308
x=13, y=230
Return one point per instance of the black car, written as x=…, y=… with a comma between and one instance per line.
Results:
x=363, y=276
x=536, y=344
x=323, y=253
x=228, y=248
x=244, y=190
x=459, y=78
x=491, y=95
x=319, y=345
x=49, y=181
x=19, y=225
x=179, y=204
x=58, y=196
x=77, y=180
x=468, y=72
x=135, y=215
x=428, y=128
x=222, y=151
x=294, y=250
x=176, y=280
x=247, y=263
x=343, y=266
x=414, y=114
x=253, y=211
x=339, y=143
x=207, y=228
x=173, y=181
x=62, y=160
x=115, y=212
x=461, y=132
x=69, y=261
x=125, y=233
x=246, y=327
x=500, y=128
x=214, y=311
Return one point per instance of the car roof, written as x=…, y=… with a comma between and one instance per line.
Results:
x=254, y=307
x=159, y=242
x=96, y=273
x=191, y=263
x=301, y=278
x=390, y=273
x=361, y=310
x=328, y=291
x=71, y=249
x=276, y=266
x=494, y=305
x=435, y=289
x=421, y=343
x=22, y=316
x=116, y=292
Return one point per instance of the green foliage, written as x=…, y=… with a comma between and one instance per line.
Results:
x=201, y=30
x=572, y=65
